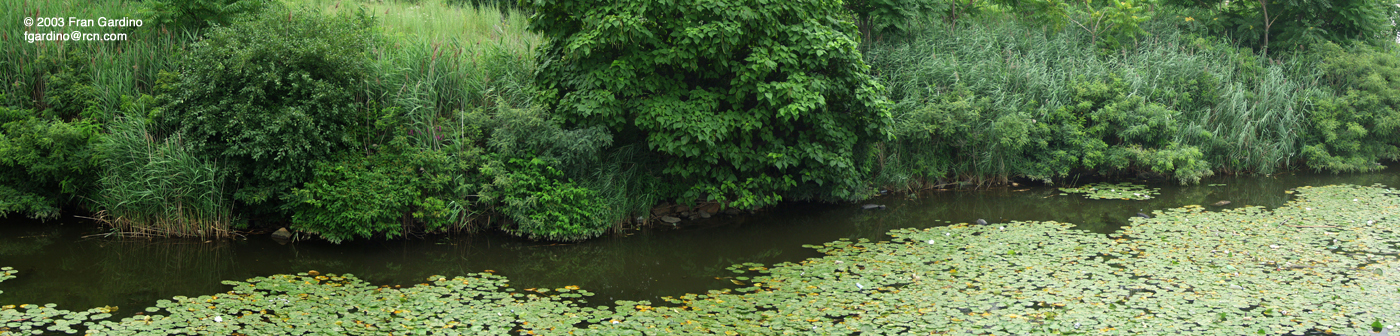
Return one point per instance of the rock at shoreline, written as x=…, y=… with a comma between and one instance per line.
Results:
x=669, y=219
x=711, y=208
x=704, y=214
x=1221, y=203
x=282, y=235
x=872, y=206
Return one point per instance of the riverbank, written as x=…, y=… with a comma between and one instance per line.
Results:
x=1321, y=261
x=437, y=122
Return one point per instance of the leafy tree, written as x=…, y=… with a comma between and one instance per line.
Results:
x=1111, y=20
x=1108, y=23
x=270, y=97
x=746, y=99
x=1295, y=24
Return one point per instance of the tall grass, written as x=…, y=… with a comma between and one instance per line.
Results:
x=439, y=58
x=160, y=187
x=118, y=68
x=953, y=87
x=436, y=57
x=445, y=56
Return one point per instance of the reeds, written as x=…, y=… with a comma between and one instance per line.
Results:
x=159, y=187
x=118, y=68
x=437, y=57
x=952, y=86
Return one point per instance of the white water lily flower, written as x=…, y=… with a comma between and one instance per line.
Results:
x=859, y=286
x=930, y=241
x=218, y=319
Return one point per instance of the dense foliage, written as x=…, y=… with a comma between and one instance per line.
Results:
x=877, y=19
x=273, y=96
x=383, y=119
x=1289, y=25
x=540, y=201
x=1360, y=125
x=44, y=162
x=46, y=154
x=746, y=99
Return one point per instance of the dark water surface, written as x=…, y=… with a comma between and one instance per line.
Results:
x=58, y=266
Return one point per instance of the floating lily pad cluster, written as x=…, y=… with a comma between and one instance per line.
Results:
x=7, y=273
x=31, y=319
x=344, y=305
x=1123, y=191
x=1319, y=265
x=1324, y=263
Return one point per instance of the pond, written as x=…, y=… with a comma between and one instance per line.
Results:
x=58, y=265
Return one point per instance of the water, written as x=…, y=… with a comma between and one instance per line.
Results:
x=57, y=265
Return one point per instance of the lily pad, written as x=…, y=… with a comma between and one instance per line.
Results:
x=1123, y=191
x=1324, y=263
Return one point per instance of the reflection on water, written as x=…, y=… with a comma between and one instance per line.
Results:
x=58, y=266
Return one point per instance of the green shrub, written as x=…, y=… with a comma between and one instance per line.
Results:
x=541, y=204
x=69, y=92
x=1360, y=125
x=44, y=162
x=160, y=186
x=527, y=177
x=270, y=97
x=363, y=196
x=744, y=99
x=514, y=162
x=396, y=187
x=48, y=156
